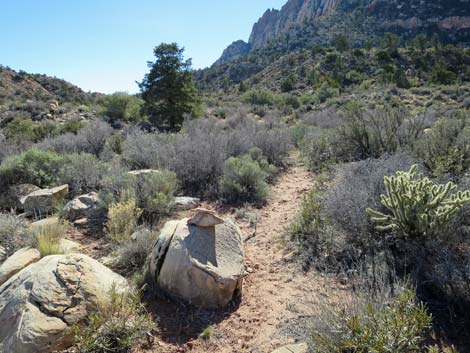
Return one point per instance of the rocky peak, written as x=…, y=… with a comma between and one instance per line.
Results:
x=275, y=22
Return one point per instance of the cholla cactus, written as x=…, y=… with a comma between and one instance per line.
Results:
x=417, y=205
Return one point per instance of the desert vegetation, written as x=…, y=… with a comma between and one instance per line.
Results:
x=333, y=169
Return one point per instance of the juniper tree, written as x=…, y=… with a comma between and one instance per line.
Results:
x=168, y=90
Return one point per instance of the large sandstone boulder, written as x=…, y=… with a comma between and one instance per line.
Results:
x=45, y=200
x=16, y=262
x=39, y=304
x=200, y=265
x=83, y=206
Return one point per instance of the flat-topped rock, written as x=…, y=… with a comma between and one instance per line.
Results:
x=205, y=218
x=45, y=200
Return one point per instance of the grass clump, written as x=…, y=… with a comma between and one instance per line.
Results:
x=115, y=327
x=47, y=239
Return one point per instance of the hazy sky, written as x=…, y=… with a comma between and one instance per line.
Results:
x=103, y=45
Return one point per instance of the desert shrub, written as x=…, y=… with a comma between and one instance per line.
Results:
x=24, y=130
x=386, y=322
x=122, y=220
x=116, y=327
x=47, y=238
x=90, y=139
x=31, y=167
x=14, y=233
x=259, y=97
x=197, y=154
x=154, y=194
x=288, y=84
x=372, y=133
x=417, y=207
x=243, y=181
x=445, y=149
x=122, y=106
x=83, y=172
x=131, y=255
x=440, y=75
x=359, y=186
x=332, y=230
x=320, y=150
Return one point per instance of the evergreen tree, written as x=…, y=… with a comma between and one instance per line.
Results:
x=168, y=90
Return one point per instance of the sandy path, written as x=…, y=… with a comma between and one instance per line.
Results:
x=275, y=290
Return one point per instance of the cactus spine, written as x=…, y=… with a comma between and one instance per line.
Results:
x=417, y=206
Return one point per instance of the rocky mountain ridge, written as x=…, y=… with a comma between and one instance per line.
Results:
x=450, y=19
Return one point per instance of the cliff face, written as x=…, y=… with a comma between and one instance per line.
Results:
x=308, y=21
x=275, y=22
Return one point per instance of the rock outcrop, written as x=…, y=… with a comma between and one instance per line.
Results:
x=44, y=201
x=449, y=19
x=40, y=303
x=234, y=51
x=200, y=265
x=83, y=206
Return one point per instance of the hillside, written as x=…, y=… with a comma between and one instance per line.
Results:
x=31, y=95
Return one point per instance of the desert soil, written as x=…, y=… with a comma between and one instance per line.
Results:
x=276, y=292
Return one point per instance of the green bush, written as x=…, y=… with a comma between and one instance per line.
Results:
x=243, y=181
x=445, y=149
x=116, y=327
x=121, y=106
x=288, y=84
x=440, y=75
x=370, y=324
x=154, y=193
x=416, y=206
x=260, y=97
x=31, y=167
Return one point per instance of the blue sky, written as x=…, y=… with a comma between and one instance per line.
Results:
x=103, y=45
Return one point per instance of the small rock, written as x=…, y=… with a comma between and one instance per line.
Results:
x=184, y=203
x=141, y=172
x=46, y=222
x=205, y=218
x=16, y=262
x=83, y=206
x=82, y=222
x=69, y=246
x=293, y=348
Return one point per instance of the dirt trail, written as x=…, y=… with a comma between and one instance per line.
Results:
x=275, y=289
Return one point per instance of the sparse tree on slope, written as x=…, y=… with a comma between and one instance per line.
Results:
x=168, y=89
